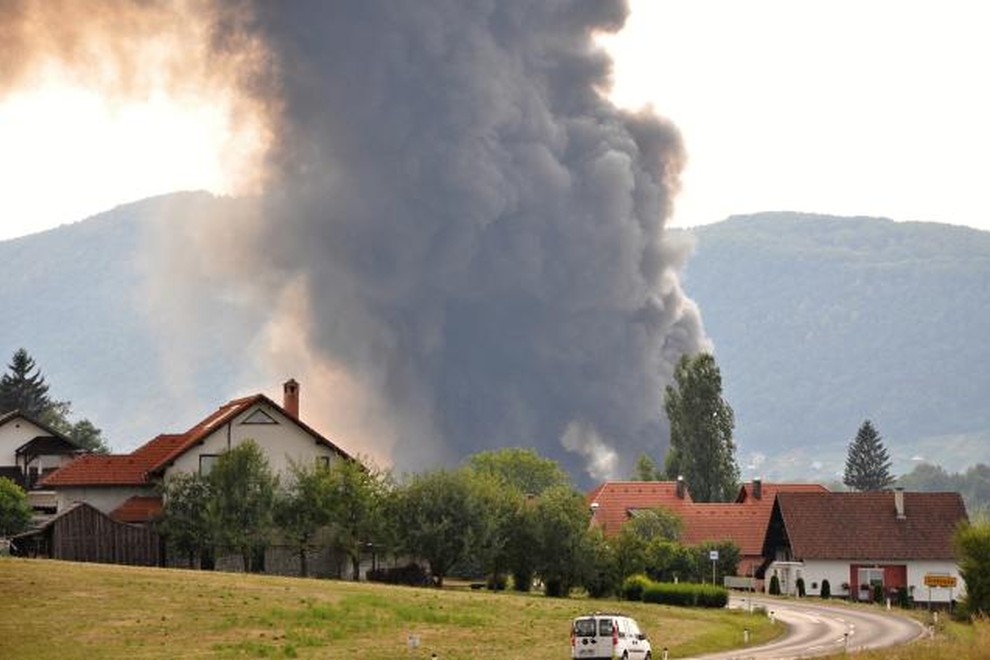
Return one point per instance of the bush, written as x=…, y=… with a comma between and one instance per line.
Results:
x=522, y=580
x=800, y=587
x=826, y=590
x=686, y=594
x=774, y=586
x=878, y=595
x=634, y=586
x=411, y=574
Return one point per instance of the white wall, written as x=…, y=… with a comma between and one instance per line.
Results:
x=283, y=442
x=104, y=498
x=837, y=573
x=15, y=433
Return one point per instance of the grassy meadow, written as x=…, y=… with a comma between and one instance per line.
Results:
x=53, y=609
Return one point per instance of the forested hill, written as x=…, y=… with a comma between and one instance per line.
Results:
x=821, y=322
x=818, y=323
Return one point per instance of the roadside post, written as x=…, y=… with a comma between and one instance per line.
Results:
x=713, y=556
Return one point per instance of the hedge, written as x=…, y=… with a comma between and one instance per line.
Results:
x=684, y=594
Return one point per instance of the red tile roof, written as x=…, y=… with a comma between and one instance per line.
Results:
x=155, y=456
x=138, y=509
x=743, y=522
x=865, y=525
x=615, y=499
x=113, y=469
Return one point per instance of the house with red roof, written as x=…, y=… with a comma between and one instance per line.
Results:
x=857, y=541
x=743, y=522
x=124, y=485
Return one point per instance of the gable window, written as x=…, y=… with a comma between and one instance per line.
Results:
x=259, y=416
x=323, y=461
x=206, y=463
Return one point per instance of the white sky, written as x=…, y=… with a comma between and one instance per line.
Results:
x=864, y=107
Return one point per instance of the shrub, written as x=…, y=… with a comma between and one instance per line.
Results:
x=634, y=586
x=522, y=580
x=826, y=589
x=800, y=587
x=410, y=574
x=686, y=594
x=774, y=586
x=878, y=595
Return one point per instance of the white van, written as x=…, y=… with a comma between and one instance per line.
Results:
x=606, y=636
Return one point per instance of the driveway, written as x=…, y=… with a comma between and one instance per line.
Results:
x=815, y=629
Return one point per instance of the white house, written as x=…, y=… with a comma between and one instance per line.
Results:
x=124, y=485
x=30, y=450
x=857, y=541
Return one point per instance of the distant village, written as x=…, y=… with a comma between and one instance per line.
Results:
x=791, y=538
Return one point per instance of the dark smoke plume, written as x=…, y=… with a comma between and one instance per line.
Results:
x=461, y=245
x=479, y=231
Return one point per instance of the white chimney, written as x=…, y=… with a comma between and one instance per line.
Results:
x=899, y=503
x=757, y=488
x=681, y=487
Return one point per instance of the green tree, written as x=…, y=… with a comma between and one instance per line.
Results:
x=522, y=539
x=356, y=495
x=657, y=523
x=494, y=509
x=15, y=512
x=972, y=543
x=184, y=522
x=520, y=468
x=302, y=508
x=867, y=461
x=701, y=424
x=560, y=553
x=434, y=514
x=241, y=507
x=601, y=578
x=646, y=469
x=23, y=387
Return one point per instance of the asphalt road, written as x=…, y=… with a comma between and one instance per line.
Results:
x=815, y=629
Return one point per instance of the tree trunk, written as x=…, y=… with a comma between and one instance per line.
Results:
x=356, y=567
x=303, y=568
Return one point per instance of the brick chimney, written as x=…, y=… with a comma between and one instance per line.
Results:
x=681, y=487
x=290, y=397
x=757, y=488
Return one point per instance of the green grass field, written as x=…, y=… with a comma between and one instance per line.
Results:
x=52, y=609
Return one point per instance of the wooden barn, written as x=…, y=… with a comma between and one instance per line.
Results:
x=84, y=533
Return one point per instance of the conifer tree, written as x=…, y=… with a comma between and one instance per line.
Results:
x=867, y=462
x=23, y=387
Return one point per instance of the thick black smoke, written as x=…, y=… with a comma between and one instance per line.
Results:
x=477, y=232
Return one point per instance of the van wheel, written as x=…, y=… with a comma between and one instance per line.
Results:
x=649, y=656
x=625, y=655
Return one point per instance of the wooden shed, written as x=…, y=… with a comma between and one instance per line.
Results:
x=84, y=533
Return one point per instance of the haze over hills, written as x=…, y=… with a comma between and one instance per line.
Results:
x=821, y=322
x=818, y=323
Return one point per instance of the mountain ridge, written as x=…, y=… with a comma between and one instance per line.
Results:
x=818, y=322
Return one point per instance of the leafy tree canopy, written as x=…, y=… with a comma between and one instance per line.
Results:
x=521, y=468
x=701, y=424
x=972, y=543
x=15, y=512
x=867, y=461
x=646, y=469
x=650, y=524
x=242, y=505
